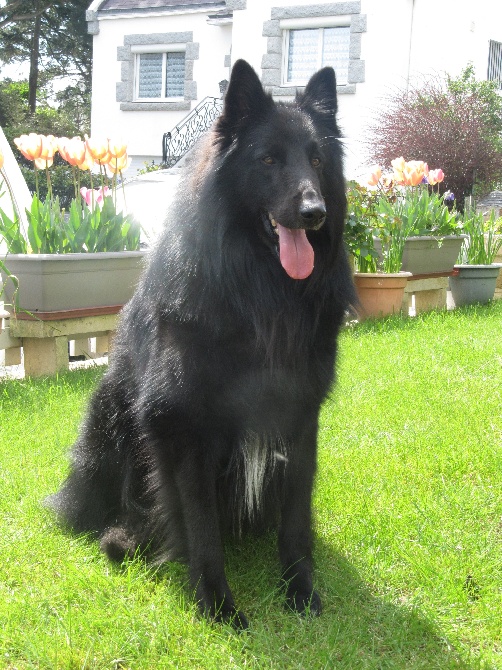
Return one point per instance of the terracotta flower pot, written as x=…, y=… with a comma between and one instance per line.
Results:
x=380, y=294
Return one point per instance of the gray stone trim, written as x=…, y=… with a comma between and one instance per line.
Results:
x=236, y=4
x=92, y=22
x=359, y=24
x=93, y=27
x=155, y=106
x=307, y=11
x=356, y=72
x=158, y=38
x=272, y=61
x=125, y=55
x=291, y=91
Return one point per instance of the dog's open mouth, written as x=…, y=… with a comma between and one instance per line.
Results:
x=295, y=251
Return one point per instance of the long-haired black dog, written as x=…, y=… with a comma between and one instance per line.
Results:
x=206, y=421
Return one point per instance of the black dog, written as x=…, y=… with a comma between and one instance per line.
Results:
x=206, y=422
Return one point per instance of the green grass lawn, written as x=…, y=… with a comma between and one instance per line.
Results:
x=408, y=526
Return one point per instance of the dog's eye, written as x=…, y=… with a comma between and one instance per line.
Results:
x=315, y=162
x=268, y=160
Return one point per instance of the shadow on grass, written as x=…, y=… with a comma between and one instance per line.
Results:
x=356, y=628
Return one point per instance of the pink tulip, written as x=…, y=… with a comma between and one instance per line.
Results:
x=435, y=176
x=98, y=194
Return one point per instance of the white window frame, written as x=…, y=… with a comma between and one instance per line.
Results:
x=164, y=49
x=318, y=23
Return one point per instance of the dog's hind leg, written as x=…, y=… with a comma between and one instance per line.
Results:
x=295, y=531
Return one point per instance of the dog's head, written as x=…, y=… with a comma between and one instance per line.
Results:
x=285, y=160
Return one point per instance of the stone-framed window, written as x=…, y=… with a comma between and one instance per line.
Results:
x=302, y=39
x=157, y=72
x=495, y=62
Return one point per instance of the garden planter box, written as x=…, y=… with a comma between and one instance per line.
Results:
x=380, y=294
x=52, y=283
x=427, y=255
x=474, y=283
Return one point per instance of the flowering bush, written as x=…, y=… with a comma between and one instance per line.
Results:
x=91, y=223
x=455, y=122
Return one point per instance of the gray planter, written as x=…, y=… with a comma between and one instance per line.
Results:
x=427, y=255
x=474, y=283
x=60, y=282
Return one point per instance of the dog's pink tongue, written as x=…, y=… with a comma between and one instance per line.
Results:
x=295, y=252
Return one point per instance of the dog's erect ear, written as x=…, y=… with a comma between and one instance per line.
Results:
x=319, y=98
x=246, y=103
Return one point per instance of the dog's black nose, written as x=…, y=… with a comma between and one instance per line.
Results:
x=313, y=214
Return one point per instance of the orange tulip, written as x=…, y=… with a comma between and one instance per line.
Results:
x=398, y=165
x=119, y=164
x=1, y=159
x=117, y=148
x=98, y=149
x=375, y=175
x=29, y=145
x=73, y=151
x=414, y=173
x=88, y=161
x=48, y=149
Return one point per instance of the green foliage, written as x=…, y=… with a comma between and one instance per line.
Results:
x=62, y=180
x=151, y=167
x=52, y=230
x=422, y=212
x=360, y=226
x=484, y=238
x=393, y=213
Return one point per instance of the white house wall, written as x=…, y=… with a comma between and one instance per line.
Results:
x=400, y=41
x=143, y=130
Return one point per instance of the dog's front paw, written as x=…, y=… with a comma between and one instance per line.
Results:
x=224, y=612
x=304, y=602
x=232, y=616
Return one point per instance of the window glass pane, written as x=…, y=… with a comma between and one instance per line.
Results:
x=335, y=51
x=302, y=55
x=175, y=75
x=150, y=75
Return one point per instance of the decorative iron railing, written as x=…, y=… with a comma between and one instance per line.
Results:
x=181, y=139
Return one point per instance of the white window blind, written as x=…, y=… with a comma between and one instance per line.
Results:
x=310, y=49
x=150, y=75
x=161, y=75
x=175, y=75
